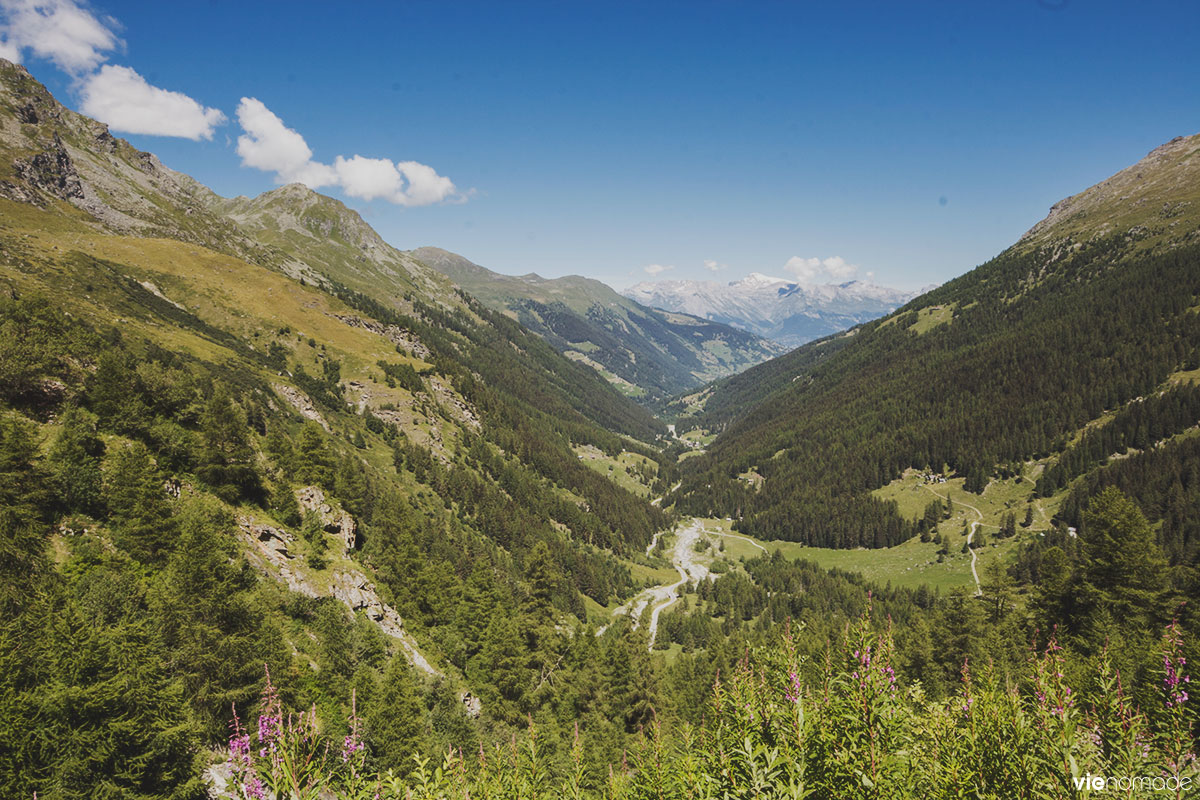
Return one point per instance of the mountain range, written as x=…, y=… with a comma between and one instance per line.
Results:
x=784, y=311
x=647, y=353
x=148, y=306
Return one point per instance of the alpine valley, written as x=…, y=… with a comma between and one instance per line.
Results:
x=289, y=512
x=781, y=310
x=646, y=353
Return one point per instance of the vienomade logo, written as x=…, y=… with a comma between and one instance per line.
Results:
x=1126, y=783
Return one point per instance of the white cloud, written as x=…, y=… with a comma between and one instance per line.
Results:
x=59, y=30
x=77, y=42
x=425, y=186
x=271, y=146
x=656, y=269
x=821, y=270
x=10, y=51
x=123, y=99
x=407, y=183
x=368, y=178
x=713, y=266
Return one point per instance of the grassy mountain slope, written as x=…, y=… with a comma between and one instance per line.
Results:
x=1091, y=311
x=322, y=237
x=318, y=239
x=240, y=364
x=647, y=353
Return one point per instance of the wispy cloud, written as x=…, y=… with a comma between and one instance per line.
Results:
x=657, y=269
x=834, y=269
x=268, y=144
x=713, y=266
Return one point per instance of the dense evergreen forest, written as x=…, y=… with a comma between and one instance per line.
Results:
x=1024, y=357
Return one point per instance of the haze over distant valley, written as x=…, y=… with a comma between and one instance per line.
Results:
x=785, y=311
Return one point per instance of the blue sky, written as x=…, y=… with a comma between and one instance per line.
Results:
x=911, y=140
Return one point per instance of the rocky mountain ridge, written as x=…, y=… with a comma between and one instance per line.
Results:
x=783, y=310
x=1152, y=198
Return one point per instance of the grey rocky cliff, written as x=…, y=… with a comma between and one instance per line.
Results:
x=270, y=552
x=334, y=520
x=57, y=154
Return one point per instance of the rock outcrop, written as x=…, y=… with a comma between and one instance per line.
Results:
x=272, y=545
x=358, y=594
x=393, y=333
x=270, y=552
x=334, y=520
x=51, y=172
x=300, y=401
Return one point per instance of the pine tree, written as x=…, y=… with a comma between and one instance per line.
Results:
x=137, y=503
x=479, y=600
x=314, y=466
x=314, y=534
x=334, y=657
x=114, y=393
x=22, y=479
x=396, y=718
x=74, y=463
x=500, y=668
x=227, y=459
x=111, y=720
x=1124, y=569
x=204, y=603
x=284, y=506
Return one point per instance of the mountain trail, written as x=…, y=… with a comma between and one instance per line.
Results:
x=970, y=536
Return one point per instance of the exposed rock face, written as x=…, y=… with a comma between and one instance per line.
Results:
x=458, y=408
x=270, y=553
x=472, y=705
x=52, y=171
x=358, y=593
x=336, y=521
x=56, y=153
x=393, y=333
x=272, y=544
x=300, y=401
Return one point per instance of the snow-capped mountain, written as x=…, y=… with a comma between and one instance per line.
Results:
x=791, y=313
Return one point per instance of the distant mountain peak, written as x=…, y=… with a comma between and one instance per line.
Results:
x=758, y=279
x=783, y=310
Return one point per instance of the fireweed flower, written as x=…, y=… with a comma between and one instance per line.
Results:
x=239, y=750
x=792, y=694
x=1175, y=681
x=253, y=788
x=350, y=746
